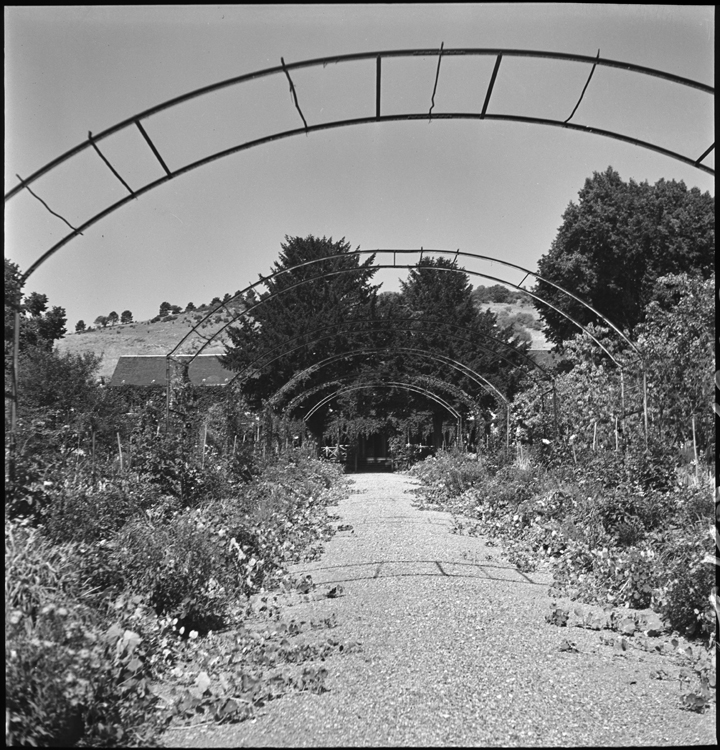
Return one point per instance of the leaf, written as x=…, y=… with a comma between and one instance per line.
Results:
x=202, y=682
x=134, y=665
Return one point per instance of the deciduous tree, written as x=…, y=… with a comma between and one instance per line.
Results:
x=616, y=241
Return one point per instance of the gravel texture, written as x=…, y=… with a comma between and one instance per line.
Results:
x=456, y=651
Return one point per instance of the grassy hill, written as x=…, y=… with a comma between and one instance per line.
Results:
x=146, y=337
x=506, y=311
x=160, y=337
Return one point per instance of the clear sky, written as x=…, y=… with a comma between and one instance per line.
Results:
x=493, y=188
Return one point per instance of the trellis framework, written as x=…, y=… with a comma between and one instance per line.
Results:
x=142, y=119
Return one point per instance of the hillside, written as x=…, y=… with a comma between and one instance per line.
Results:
x=146, y=337
x=139, y=338
x=509, y=310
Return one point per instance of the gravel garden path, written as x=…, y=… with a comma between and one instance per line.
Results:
x=455, y=650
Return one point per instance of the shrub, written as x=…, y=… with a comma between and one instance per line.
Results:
x=69, y=677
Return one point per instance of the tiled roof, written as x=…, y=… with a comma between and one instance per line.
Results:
x=150, y=370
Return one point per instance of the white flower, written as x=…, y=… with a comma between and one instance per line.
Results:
x=547, y=442
x=193, y=634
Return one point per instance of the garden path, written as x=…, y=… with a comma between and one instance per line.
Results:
x=455, y=650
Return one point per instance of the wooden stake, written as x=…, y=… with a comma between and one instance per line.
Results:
x=120, y=451
x=645, y=408
x=616, y=435
x=594, y=434
x=697, y=467
x=202, y=460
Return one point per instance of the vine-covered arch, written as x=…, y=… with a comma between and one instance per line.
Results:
x=384, y=384
x=457, y=392
x=465, y=370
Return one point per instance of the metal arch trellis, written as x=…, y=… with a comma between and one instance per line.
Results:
x=379, y=325
x=384, y=384
x=437, y=383
x=285, y=70
x=467, y=371
x=394, y=265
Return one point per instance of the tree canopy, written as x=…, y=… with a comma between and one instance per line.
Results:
x=39, y=326
x=614, y=244
x=299, y=299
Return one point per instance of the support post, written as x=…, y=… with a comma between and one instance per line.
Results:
x=622, y=406
x=697, y=467
x=120, y=453
x=14, y=405
x=645, y=407
x=507, y=431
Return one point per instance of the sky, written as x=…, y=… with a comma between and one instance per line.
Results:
x=492, y=188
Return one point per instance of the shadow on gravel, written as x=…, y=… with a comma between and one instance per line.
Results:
x=444, y=569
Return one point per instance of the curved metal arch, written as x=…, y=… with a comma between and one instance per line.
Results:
x=380, y=384
x=462, y=368
x=456, y=391
x=383, y=325
x=394, y=265
x=378, y=56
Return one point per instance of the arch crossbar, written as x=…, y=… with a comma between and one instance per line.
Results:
x=286, y=68
x=379, y=384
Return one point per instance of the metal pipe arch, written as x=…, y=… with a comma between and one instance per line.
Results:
x=384, y=324
x=394, y=266
x=281, y=69
x=389, y=384
x=464, y=369
x=456, y=391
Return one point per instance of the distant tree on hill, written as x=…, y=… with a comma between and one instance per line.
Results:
x=190, y=307
x=80, y=326
x=175, y=309
x=101, y=320
x=164, y=308
x=496, y=293
x=215, y=301
x=126, y=316
x=226, y=297
x=113, y=318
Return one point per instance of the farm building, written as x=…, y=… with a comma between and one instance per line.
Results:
x=150, y=370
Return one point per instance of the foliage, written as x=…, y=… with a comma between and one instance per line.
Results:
x=83, y=593
x=112, y=318
x=39, y=327
x=324, y=293
x=610, y=530
x=498, y=294
x=80, y=326
x=126, y=316
x=676, y=343
x=72, y=673
x=615, y=243
x=101, y=320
